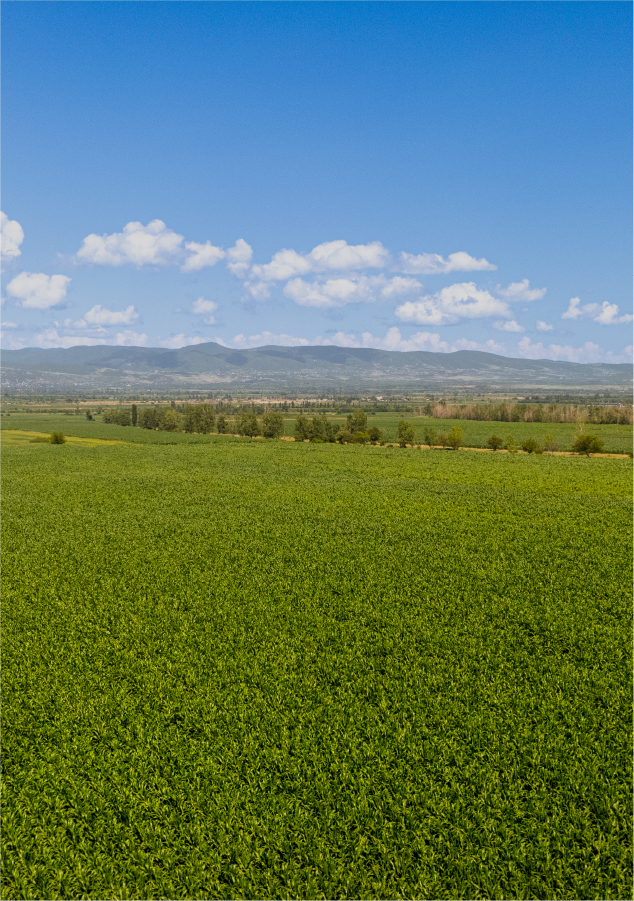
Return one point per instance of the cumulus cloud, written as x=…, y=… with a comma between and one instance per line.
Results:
x=50, y=337
x=609, y=315
x=449, y=305
x=521, y=291
x=574, y=311
x=510, y=326
x=332, y=255
x=98, y=315
x=179, y=341
x=434, y=264
x=206, y=308
x=264, y=339
x=11, y=238
x=37, y=291
x=336, y=292
x=9, y=325
x=605, y=313
x=139, y=245
x=393, y=340
x=201, y=255
x=239, y=257
x=543, y=326
x=588, y=353
x=128, y=338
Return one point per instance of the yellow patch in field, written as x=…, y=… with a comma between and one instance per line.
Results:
x=12, y=437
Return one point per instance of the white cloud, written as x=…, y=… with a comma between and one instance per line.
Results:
x=336, y=292
x=179, y=341
x=138, y=245
x=50, y=337
x=332, y=255
x=98, y=315
x=38, y=291
x=609, y=315
x=9, y=325
x=434, y=264
x=128, y=338
x=510, y=326
x=543, y=326
x=12, y=237
x=10, y=342
x=521, y=291
x=202, y=307
x=239, y=257
x=431, y=341
x=460, y=301
x=573, y=311
x=604, y=314
x=201, y=255
x=263, y=339
x=588, y=353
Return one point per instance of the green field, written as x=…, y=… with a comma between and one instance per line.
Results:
x=250, y=669
x=617, y=438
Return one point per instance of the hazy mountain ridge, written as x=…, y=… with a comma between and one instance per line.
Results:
x=209, y=363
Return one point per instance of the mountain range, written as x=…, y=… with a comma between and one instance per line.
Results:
x=211, y=365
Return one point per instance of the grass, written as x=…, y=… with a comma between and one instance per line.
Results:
x=19, y=437
x=239, y=669
x=617, y=438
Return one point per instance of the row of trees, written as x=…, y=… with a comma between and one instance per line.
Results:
x=201, y=419
x=504, y=412
x=354, y=431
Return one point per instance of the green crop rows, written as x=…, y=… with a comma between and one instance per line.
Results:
x=249, y=669
x=617, y=438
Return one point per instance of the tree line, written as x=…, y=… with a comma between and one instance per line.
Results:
x=201, y=419
x=506, y=412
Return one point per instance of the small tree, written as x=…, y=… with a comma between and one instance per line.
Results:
x=405, y=433
x=272, y=425
x=169, y=420
x=222, y=426
x=588, y=444
x=149, y=419
x=88, y=415
x=358, y=422
x=431, y=436
x=549, y=443
x=375, y=434
x=247, y=424
x=199, y=418
x=495, y=442
x=302, y=430
x=454, y=438
x=58, y=438
x=135, y=415
x=531, y=446
x=510, y=445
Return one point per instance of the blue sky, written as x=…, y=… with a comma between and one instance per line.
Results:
x=415, y=176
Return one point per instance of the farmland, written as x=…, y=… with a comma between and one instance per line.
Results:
x=617, y=438
x=247, y=669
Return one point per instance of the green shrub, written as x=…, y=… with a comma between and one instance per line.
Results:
x=495, y=442
x=588, y=444
x=57, y=438
x=405, y=433
x=531, y=446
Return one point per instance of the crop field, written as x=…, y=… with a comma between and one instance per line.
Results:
x=617, y=438
x=19, y=437
x=267, y=669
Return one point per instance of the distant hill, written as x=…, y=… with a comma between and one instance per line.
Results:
x=286, y=368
